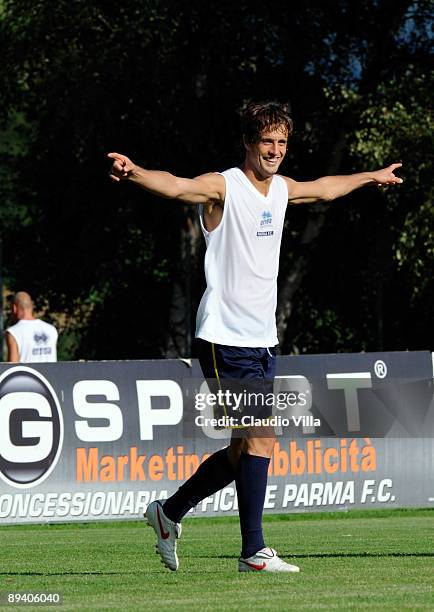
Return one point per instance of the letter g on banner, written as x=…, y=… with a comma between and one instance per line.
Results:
x=31, y=427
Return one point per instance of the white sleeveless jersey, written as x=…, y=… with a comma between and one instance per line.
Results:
x=238, y=307
x=36, y=340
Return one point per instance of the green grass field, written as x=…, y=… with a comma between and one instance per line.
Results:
x=376, y=560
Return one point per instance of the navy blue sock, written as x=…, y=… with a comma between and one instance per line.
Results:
x=212, y=475
x=251, y=479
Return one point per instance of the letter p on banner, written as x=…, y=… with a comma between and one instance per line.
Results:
x=148, y=416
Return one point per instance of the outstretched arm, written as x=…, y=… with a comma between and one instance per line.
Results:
x=200, y=190
x=332, y=187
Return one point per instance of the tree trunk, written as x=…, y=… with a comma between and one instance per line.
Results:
x=294, y=276
x=181, y=317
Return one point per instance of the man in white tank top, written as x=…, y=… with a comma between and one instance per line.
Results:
x=30, y=340
x=242, y=213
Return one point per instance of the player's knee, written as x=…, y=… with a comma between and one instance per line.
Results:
x=262, y=447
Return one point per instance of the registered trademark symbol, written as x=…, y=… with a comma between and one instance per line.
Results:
x=380, y=369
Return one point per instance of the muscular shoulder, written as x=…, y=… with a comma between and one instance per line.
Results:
x=291, y=184
x=303, y=192
x=214, y=184
x=213, y=207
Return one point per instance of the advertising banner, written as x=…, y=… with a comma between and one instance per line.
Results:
x=84, y=441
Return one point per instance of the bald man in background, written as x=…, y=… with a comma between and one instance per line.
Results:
x=30, y=340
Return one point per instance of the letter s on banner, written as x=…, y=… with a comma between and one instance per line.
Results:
x=97, y=410
x=148, y=417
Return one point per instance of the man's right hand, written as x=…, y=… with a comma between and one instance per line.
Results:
x=122, y=167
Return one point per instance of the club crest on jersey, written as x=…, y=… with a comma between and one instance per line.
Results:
x=265, y=224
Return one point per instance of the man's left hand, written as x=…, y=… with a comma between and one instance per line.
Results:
x=386, y=176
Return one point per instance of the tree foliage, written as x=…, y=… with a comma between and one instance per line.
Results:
x=164, y=82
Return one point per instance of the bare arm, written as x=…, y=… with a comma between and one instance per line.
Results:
x=207, y=188
x=331, y=187
x=12, y=347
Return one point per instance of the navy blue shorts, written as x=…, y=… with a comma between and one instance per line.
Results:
x=245, y=373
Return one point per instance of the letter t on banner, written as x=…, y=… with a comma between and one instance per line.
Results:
x=349, y=384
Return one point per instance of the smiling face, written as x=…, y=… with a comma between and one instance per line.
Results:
x=265, y=156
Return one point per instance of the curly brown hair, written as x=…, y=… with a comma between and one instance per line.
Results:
x=264, y=116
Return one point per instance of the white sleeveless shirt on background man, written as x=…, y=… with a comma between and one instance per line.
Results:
x=36, y=340
x=238, y=307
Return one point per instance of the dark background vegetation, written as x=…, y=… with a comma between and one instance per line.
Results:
x=163, y=82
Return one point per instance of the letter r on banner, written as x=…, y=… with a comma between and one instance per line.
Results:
x=148, y=417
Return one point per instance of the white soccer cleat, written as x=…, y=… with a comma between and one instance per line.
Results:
x=265, y=560
x=167, y=533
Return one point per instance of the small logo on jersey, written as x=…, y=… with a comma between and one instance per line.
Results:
x=266, y=218
x=265, y=224
x=40, y=338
